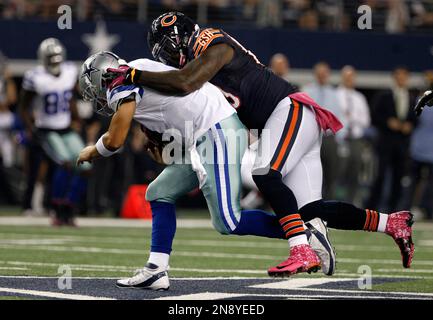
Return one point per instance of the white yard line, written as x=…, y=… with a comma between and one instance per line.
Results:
x=56, y=239
x=130, y=269
x=199, y=254
x=203, y=296
x=48, y=294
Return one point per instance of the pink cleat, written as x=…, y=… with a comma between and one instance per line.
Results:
x=302, y=259
x=399, y=227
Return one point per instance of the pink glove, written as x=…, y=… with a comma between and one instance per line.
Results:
x=119, y=76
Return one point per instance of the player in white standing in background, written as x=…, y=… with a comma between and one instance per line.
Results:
x=213, y=139
x=48, y=110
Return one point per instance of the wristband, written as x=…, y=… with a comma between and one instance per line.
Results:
x=135, y=74
x=102, y=150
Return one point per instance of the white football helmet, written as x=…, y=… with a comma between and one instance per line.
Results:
x=51, y=54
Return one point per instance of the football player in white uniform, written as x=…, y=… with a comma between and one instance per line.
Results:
x=48, y=108
x=213, y=141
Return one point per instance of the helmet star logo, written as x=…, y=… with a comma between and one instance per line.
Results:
x=88, y=72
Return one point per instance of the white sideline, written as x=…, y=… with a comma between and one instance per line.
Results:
x=102, y=222
x=135, y=223
x=60, y=239
x=49, y=294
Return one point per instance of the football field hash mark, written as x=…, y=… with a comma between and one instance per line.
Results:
x=209, y=289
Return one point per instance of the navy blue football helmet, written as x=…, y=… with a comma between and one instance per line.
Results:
x=169, y=36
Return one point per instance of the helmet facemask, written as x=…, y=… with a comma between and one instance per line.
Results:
x=168, y=43
x=170, y=50
x=99, y=102
x=94, y=80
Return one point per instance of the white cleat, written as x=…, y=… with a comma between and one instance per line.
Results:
x=317, y=234
x=151, y=277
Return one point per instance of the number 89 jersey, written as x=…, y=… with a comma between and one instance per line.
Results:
x=51, y=106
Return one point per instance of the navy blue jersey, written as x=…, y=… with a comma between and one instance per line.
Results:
x=251, y=88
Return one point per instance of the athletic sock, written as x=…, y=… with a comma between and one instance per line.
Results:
x=298, y=240
x=375, y=221
x=294, y=230
x=344, y=216
x=160, y=259
x=163, y=226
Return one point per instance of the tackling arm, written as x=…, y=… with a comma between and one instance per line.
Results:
x=185, y=80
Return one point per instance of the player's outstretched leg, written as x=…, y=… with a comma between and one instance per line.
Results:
x=154, y=275
x=175, y=180
x=345, y=216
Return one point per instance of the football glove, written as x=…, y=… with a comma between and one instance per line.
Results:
x=124, y=75
x=426, y=100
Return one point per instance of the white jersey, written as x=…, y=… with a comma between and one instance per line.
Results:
x=51, y=106
x=199, y=110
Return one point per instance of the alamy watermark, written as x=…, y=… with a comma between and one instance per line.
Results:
x=64, y=282
x=65, y=19
x=366, y=18
x=365, y=280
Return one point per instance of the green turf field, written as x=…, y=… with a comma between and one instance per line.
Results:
x=199, y=252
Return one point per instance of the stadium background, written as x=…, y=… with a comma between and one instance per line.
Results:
x=306, y=31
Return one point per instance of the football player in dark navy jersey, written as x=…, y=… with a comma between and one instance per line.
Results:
x=252, y=88
x=288, y=168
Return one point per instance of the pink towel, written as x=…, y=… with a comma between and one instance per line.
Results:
x=325, y=118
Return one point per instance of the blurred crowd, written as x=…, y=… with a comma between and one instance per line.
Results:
x=392, y=16
x=383, y=158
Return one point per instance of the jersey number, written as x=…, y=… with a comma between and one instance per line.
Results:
x=55, y=102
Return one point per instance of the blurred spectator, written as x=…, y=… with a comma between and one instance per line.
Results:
x=421, y=152
x=394, y=119
x=8, y=97
x=326, y=95
x=422, y=14
x=279, y=64
x=390, y=15
x=269, y=13
x=397, y=18
x=356, y=119
x=309, y=20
